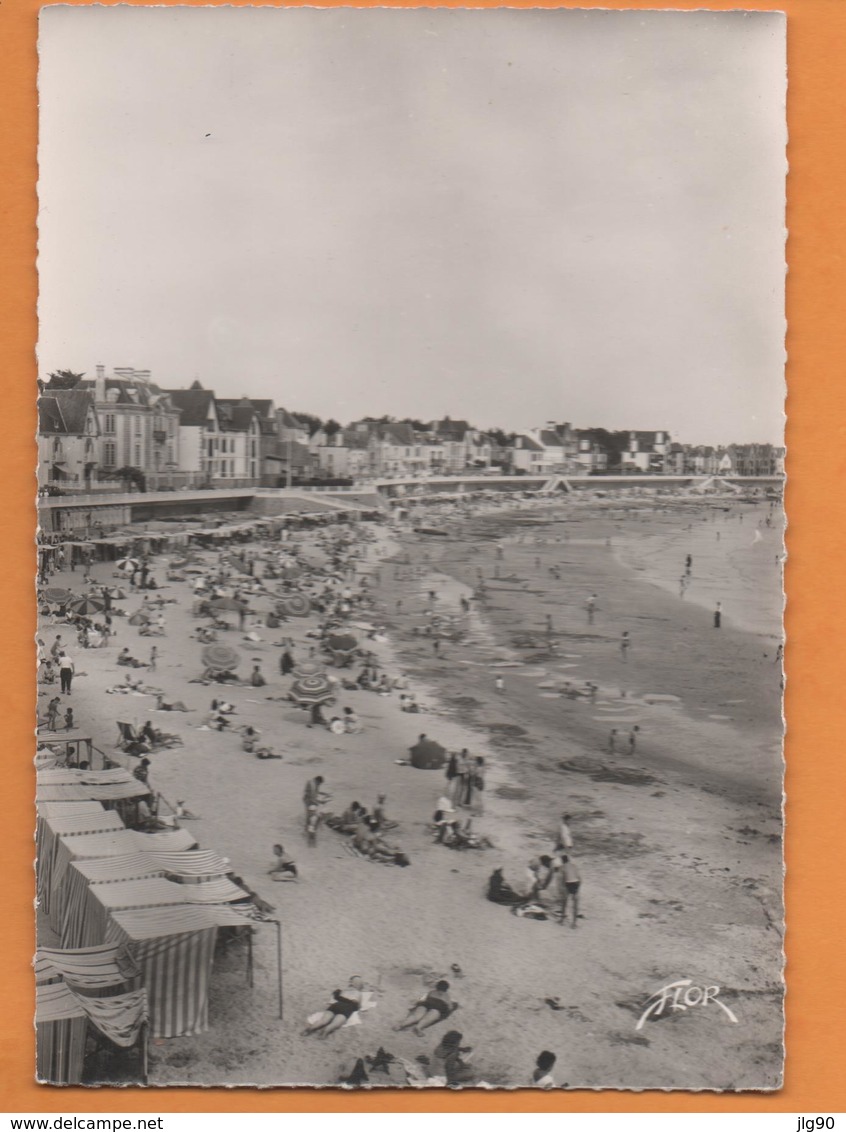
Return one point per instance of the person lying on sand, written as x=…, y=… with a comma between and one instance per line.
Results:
x=175, y=705
x=435, y=1006
x=343, y=1006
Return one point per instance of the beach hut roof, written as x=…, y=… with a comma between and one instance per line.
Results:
x=91, y=967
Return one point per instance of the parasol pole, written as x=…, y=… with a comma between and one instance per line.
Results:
x=279, y=964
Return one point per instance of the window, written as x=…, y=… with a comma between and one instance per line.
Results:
x=109, y=454
x=137, y=426
x=137, y=455
x=109, y=423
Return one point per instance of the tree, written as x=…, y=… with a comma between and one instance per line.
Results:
x=310, y=421
x=500, y=438
x=64, y=379
x=131, y=477
x=332, y=427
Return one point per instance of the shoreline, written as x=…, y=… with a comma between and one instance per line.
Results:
x=664, y=860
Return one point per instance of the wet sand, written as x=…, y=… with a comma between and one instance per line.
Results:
x=677, y=844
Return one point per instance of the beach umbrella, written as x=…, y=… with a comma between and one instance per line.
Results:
x=291, y=573
x=308, y=668
x=87, y=605
x=57, y=596
x=308, y=690
x=127, y=565
x=231, y=603
x=342, y=642
x=426, y=754
x=139, y=618
x=295, y=605
x=220, y=658
x=116, y=593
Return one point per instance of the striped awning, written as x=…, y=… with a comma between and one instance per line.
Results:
x=174, y=947
x=61, y=1021
x=91, y=968
x=63, y=808
x=200, y=863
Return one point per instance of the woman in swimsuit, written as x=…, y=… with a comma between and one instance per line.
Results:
x=342, y=1007
x=435, y=1007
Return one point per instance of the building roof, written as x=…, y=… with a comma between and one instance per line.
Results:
x=528, y=443
x=288, y=420
x=550, y=439
x=397, y=433
x=450, y=430
x=235, y=416
x=192, y=403
x=64, y=411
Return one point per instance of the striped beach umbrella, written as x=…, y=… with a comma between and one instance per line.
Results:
x=220, y=658
x=85, y=606
x=127, y=565
x=295, y=605
x=57, y=596
x=308, y=690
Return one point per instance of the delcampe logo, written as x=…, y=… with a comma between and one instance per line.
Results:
x=682, y=995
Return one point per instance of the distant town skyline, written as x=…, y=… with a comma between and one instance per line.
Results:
x=501, y=216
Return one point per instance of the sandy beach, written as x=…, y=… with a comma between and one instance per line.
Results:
x=678, y=842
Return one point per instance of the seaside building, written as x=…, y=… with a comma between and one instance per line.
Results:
x=647, y=452
x=591, y=450
x=552, y=449
x=138, y=426
x=68, y=431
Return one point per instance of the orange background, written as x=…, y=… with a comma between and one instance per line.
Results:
x=816, y=894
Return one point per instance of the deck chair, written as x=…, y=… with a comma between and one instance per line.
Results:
x=127, y=734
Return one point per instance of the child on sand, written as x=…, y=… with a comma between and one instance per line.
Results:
x=283, y=868
x=542, y=1076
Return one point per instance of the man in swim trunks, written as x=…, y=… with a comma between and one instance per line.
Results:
x=570, y=882
x=434, y=1007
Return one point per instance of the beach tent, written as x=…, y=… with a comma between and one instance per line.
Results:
x=85, y=922
x=62, y=1022
x=112, y=843
x=93, y=971
x=174, y=947
x=185, y=867
x=49, y=829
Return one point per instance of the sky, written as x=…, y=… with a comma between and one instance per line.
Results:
x=504, y=216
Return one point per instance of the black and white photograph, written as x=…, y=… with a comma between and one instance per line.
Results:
x=411, y=461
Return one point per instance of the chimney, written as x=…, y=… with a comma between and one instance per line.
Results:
x=100, y=385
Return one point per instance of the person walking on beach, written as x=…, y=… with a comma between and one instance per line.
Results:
x=154, y=652
x=500, y=684
x=53, y=714
x=688, y=564
x=564, y=836
x=65, y=673
x=612, y=741
x=313, y=794
x=69, y=719
x=590, y=606
x=718, y=616
x=625, y=645
x=570, y=882
x=633, y=734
